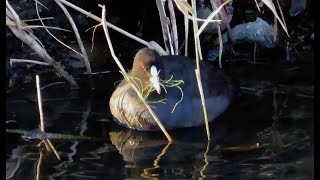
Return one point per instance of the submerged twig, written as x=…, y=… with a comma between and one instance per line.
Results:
x=52, y=148
x=43, y=135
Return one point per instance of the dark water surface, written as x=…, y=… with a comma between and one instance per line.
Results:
x=282, y=124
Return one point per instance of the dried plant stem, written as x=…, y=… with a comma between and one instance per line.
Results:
x=186, y=35
x=185, y=8
x=14, y=15
x=273, y=9
x=257, y=5
x=52, y=148
x=220, y=45
x=40, y=103
x=37, y=19
x=54, y=37
x=127, y=78
x=197, y=70
x=213, y=14
x=165, y=28
x=174, y=27
x=28, y=61
x=203, y=103
x=36, y=26
x=41, y=117
x=28, y=38
x=254, y=51
x=99, y=20
x=150, y=44
x=83, y=51
x=281, y=13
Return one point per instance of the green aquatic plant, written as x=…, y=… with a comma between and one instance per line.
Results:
x=148, y=89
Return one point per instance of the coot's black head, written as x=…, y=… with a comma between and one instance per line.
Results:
x=146, y=66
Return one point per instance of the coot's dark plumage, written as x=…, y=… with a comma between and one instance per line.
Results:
x=218, y=91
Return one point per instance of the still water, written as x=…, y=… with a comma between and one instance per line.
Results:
x=280, y=122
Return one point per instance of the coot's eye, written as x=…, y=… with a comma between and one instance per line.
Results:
x=144, y=68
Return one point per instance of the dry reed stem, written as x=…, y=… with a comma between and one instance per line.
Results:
x=52, y=148
x=222, y=14
x=37, y=19
x=185, y=8
x=40, y=103
x=173, y=27
x=254, y=51
x=127, y=78
x=28, y=38
x=165, y=28
x=41, y=117
x=197, y=71
x=281, y=13
x=213, y=14
x=271, y=6
x=83, y=51
x=186, y=35
x=257, y=5
x=54, y=37
x=220, y=46
x=148, y=44
x=28, y=61
x=29, y=27
x=14, y=16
